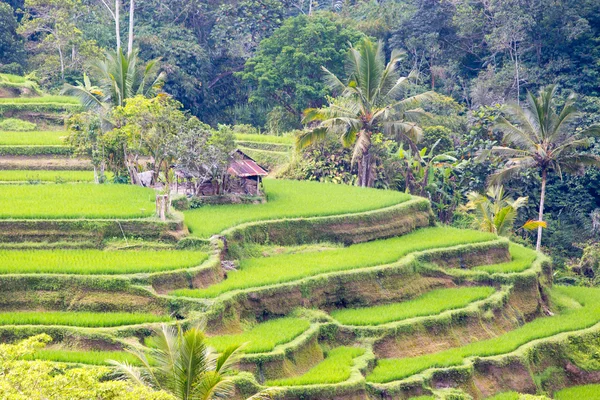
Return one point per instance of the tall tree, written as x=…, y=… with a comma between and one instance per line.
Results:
x=370, y=101
x=543, y=138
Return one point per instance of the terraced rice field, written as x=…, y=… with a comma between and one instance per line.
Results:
x=431, y=303
x=522, y=258
x=587, y=392
x=76, y=201
x=90, y=357
x=335, y=368
x=46, y=176
x=262, y=337
x=94, y=262
x=388, y=370
x=256, y=272
x=288, y=199
x=35, y=138
x=84, y=319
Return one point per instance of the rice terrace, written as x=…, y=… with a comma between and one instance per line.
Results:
x=258, y=199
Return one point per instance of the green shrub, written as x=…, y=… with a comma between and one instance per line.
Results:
x=76, y=201
x=35, y=150
x=89, y=261
x=262, y=337
x=16, y=125
x=287, y=199
x=336, y=368
x=430, y=303
x=85, y=319
x=388, y=370
x=255, y=272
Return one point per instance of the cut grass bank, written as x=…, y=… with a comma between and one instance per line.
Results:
x=336, y=368
x=262, y=337
x=46, y=176
x=256, y=272
x=288, y=199
x=388, y=370
x=431, y=303
x=35, y=138
x=76, y=201
x=83, y=319
x=96, y=261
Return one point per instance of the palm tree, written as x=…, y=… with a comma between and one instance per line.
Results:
x=119, y=77
x=369, y=103
x=184, y=365
x=543, y=138
x=494, y=212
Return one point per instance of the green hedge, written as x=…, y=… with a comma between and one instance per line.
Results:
x=36, y=151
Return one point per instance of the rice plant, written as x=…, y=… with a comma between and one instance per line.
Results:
x=262, y=337
x=83, y=262
x=40, y=100
x=522, y=258
x=255, y=272
x=33, y=138
x=587, y=392
x=91, y=357
x=388, y=370
x=431, y=303
x=336, y=368
x=84, y=319
x=46, y=176
x=76, y=201
x=258, y=138
x=288, y=199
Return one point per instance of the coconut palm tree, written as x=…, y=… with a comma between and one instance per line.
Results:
x=494, y=212
x=543, y=138
x=118, y=77
x=185, y=367
x=369, y=102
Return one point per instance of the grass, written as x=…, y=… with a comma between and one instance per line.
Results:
x=84, y=357
x=334, y=369
x=84, y=319
x=87, y=261
x=289, y=199
x=41, y=100
x=34, y=138
x=258, y=138
x=46, y=176
x=522, y=258
x=263, y=337
x=388, y=370
x=76, y=201
x=431, y=303
x=587, y=392
x=255, y=272
x=505, y=396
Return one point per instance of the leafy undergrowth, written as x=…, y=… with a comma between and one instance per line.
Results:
x=522, y=258
x=255, y=272
x=287, y=199
x=46, y=176
x=430, y=303
x=388, y=370
x=587, y=392
x=83, y=319
x=35, y=138
x=76, y=201
x=96, y=261
x=262, y=337
x=91, y=357
x=335, y=368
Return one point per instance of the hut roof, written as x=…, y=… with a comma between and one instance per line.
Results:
x=244, y=166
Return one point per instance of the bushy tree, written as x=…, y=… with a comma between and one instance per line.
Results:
x=11, y=44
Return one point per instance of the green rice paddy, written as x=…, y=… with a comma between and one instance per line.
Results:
x=84, y=319
x=258, y=138
x=46, y=176
x=431, y=303
x=522, y=258
x=336, y=368
x=255, y=272
x=587, y=392
x=91, y=357
x=76, y=201
x=34, y=138
x=288, y=199
x=262, y=337
x=82, y=262
x=388, y=370
x=41, y=100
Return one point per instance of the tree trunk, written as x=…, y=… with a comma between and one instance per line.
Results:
x=541, y=214
x=118, y=23
x=365, y=168
x=62, y=63
x=162, y=206
x=130, y=38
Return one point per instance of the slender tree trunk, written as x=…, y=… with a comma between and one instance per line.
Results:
x=118, y=23
x=62, y=63
x=541, y=214
x=365, y=170
x=130, y=38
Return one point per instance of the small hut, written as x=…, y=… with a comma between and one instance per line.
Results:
x=244, y=178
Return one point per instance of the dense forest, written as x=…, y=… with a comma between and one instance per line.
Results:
x=257, y=65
